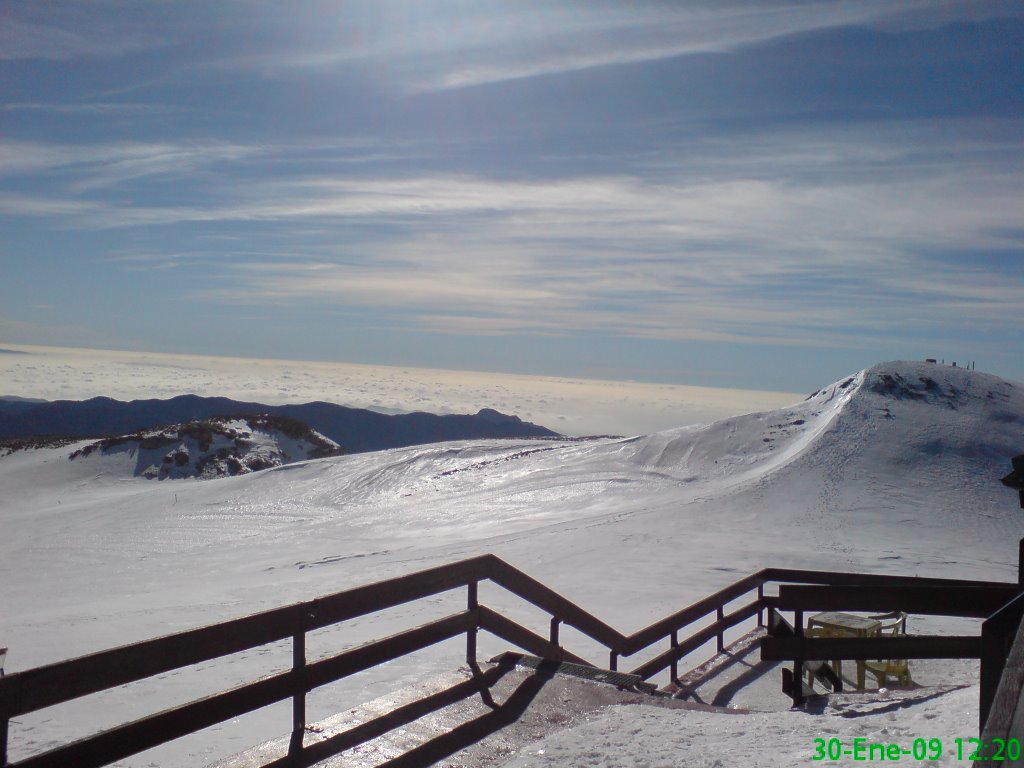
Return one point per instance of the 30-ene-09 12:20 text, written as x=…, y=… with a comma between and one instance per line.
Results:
x=919, y=749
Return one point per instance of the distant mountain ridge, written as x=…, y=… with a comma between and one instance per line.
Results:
x=355, y=429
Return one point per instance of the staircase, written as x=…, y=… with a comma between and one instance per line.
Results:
x=490, y=701
x=480, y=716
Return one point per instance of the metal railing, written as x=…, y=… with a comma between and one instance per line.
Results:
x=47, y=686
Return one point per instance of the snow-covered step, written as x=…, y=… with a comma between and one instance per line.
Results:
x=521, y=705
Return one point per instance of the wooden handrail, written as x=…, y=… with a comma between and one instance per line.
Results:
x=661, y=629
x=545, y=598
x=133, y=737
x=45, y=686
x=34, y=689
x=977, y=602
x=886, y=647
x=352, y=603
x=695, y=641
x=839, y=578
x=506, y=629
x=153, y=730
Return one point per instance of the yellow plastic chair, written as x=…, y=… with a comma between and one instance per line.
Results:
x=896, y=669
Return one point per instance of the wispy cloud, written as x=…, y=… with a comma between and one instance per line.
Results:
x=602, y=211
x=98, y=108
x=91, y=166
x=422, y=48
x=160, y=261
x=443, y=45
x=726, y=262
x=725, y=242
x=27, y=205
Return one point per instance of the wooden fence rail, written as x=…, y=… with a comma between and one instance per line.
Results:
x=978, y=602
x=42, y=687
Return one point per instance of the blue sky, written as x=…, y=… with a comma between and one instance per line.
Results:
x=762, y=195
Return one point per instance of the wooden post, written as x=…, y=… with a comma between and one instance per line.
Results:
x=721, y=632
x=555, y=621
x=798, y=664
x=1020, y=561
x=798, y=682
x=613, y=661
x=299, y=696
x=675, y=659
x=993, y=659
x=760, y=600
x=472, y=604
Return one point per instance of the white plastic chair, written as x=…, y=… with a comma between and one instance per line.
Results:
x=897, y=669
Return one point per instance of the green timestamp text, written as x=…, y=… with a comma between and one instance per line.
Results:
x=863, y=749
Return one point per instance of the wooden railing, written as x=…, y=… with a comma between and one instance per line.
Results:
x=1000, y=604
x=42, y=687
x=1003, y=685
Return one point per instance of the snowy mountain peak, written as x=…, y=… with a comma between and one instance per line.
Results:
x=895, y=414
x=215, y=447
x=935, y=383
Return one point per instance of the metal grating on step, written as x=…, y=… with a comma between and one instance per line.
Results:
x=622, y=680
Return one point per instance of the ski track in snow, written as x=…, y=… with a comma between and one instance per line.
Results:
x=883, y=472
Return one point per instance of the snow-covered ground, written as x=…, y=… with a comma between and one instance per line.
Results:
x=649, y=737
x=894, y=470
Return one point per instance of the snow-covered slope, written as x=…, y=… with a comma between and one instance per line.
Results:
x=894, y=469
x=748, y=447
